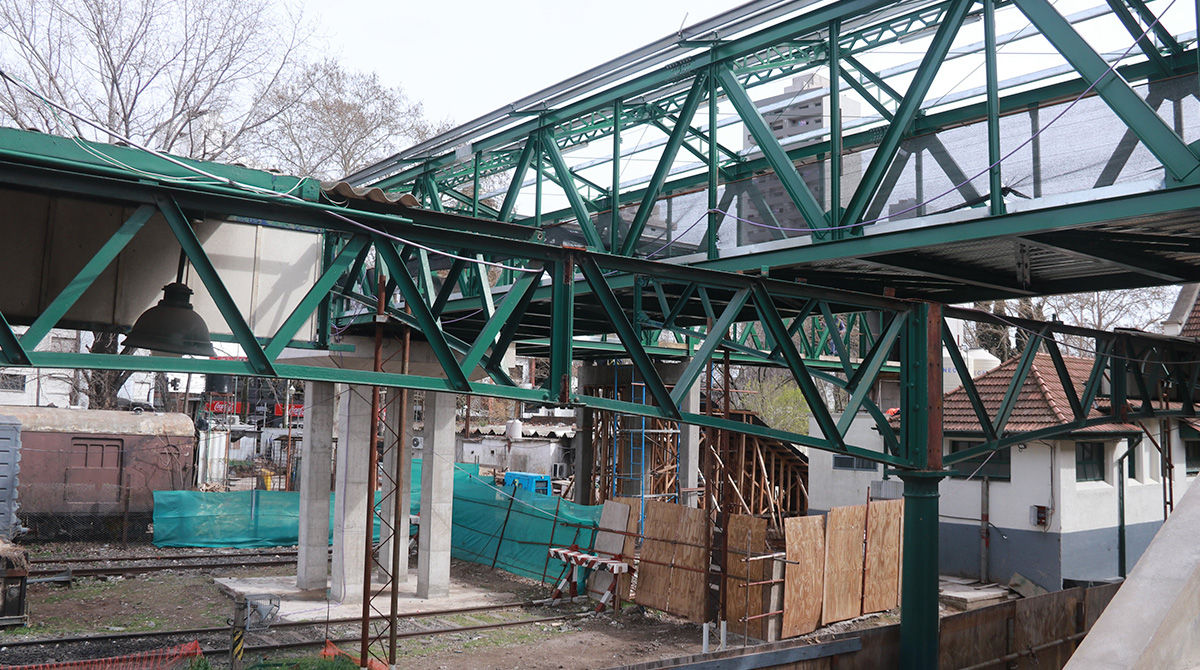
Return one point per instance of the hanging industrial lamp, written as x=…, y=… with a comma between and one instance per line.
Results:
x=172, y=326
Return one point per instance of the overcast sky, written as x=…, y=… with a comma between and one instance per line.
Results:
x=465, y=58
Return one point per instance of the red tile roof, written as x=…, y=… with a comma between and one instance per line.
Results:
x=1042, y=402
x=1191, y=326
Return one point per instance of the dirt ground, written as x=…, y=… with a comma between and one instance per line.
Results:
x=173, y=600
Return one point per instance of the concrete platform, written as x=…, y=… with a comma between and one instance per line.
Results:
x=954, y=593
x=300, y=605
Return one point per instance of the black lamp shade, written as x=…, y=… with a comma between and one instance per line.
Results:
x=172, y=326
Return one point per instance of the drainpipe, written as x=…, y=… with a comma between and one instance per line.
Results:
x=984, y=536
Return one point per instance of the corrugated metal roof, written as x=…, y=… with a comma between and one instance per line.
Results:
x=529, y=430
x=343, y=189
x=99, y=422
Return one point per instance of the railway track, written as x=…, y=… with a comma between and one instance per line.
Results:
x=291, y=635
x=68, y=568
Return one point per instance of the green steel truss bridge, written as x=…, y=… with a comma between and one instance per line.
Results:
x=765, y=213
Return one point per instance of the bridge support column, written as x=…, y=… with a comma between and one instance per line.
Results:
x=689, y=450
x=921, y=443
x=312, y=558
x=350, y=496
x=437, y=497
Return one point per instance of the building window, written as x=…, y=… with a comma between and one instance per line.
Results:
x=1192, y=456
x=852, y=463
x=997, y=465
x=1089, y=461
x=12, y=382
x=1131, y=463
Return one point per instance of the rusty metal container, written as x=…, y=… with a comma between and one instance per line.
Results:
x=14, y=577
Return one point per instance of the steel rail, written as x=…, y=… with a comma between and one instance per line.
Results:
x=91, y=559
x=142, y=569
x=285, y=624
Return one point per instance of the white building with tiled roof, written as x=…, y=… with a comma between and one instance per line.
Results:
x=1053, y=505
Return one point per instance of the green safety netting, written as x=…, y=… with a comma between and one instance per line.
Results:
x=504, y=527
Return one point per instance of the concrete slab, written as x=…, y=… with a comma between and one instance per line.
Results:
x=966, y=597
x=298, y=604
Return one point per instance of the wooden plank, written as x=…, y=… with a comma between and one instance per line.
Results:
x=613, y=516
x=746, y=535
x=804, y=579
x=1096, y=599
x=658, y=550
x=688, y=596
x=625, y=581
x=1044, y=619
x=845, y=528
x=881, y=579
x=974, y=637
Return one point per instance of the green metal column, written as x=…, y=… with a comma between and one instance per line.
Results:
x=714, y=219
x=996, y=195
x=614, y=235
x=835, y=126
x=921, y=426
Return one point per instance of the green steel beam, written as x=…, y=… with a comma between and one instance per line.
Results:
x=1159, y=138
x=452, y=274
x=995, y=185
x=567, y=181
x=968, y=383
x=429, y=326
x=628, y=334
x=906, y=112
x=793, y=184
x=11, y=351
x=771, y=321
x=514, y=187
x=663, y=168
x=319, y=290
x=862, y=380
x=700, y=358
x=204, y=268
x=508, y=310
x=74, y=290
x=1143, y=40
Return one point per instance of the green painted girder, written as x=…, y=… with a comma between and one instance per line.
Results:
x=665, y=162
x=797, y=190
x=775, y=34
x=1160, y=139
x=75, y=289
x=204, y=268
x=968, y=383
x=906, y=112
x=567, y=181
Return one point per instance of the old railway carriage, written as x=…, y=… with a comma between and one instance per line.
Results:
x=92, y=473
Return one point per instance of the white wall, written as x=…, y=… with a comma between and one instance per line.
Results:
x=829, y=487
x=1008, y=501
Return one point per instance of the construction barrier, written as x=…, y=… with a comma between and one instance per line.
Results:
x=173, y=658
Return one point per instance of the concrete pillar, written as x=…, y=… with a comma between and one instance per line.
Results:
x=402, y=450
x=350, y=495
x=437, y=497
x=312, y=558
x=585, y=456
x=689, y=448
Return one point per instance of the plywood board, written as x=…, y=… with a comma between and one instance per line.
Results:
x=746, y=536
x=804, y=579
x=1044, y=619
x=689, y=579
x=625, y=581
x=881, y=569
x=658, y=551
x=613, y=516
x=845, y=528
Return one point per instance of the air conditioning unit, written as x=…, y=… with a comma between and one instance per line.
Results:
x=558, y=470
x=418, y=442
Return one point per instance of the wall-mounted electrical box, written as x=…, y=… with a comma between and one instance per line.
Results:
x=1039, y=515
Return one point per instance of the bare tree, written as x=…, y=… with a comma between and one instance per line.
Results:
x=1143, y=309
x=343, y=121
x=190, y=77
